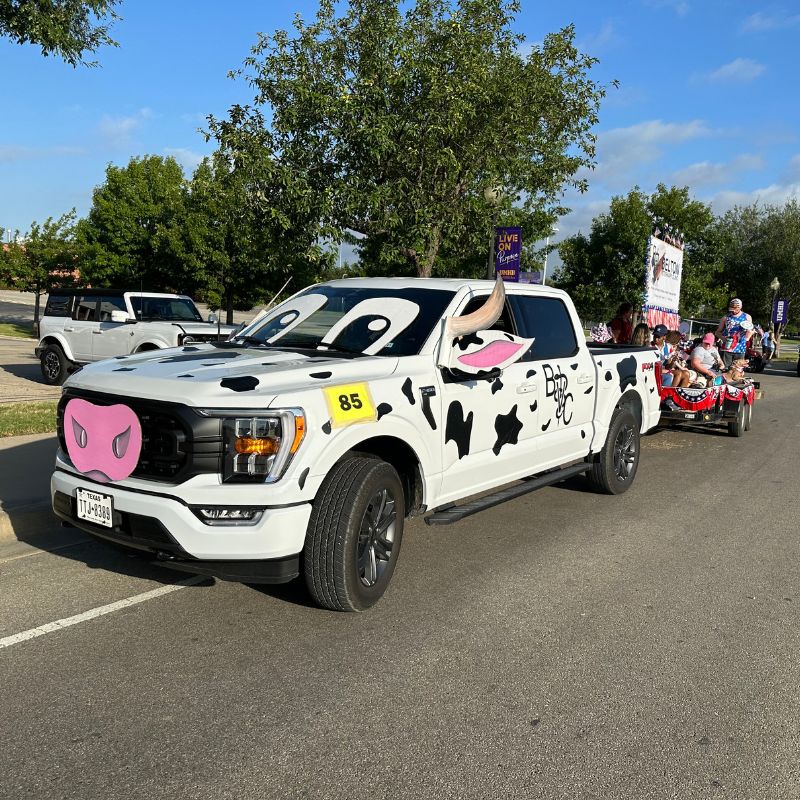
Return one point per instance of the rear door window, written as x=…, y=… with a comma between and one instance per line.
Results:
x=86, y=307
x=58, y=305
x=547, y=320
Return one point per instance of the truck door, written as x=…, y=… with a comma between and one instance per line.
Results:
x=80, y=329
x=564, y=374
x=488, y=426
x=111, y=338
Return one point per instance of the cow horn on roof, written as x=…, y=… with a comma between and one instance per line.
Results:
x=482, y=318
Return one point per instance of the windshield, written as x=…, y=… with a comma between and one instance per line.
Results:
x=168, y=309
x=357, y=319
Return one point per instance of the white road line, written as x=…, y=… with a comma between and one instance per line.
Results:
x=59, y=624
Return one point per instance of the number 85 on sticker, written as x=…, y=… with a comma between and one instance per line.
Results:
x=350, y=403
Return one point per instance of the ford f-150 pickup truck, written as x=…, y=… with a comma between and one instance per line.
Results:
x=302, y=445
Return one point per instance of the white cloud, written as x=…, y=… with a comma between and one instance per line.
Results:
x=188, y=159
x=760, y=22
x=606, y=38
x=118, y=131
x=707, y=173
x=14, y=152
x=680, y=7
x=740, y=70
x=792, y=174
x=776, y=194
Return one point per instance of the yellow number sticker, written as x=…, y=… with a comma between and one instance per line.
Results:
x=350, y=403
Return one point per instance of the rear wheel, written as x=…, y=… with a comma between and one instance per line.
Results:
x=614, y=467
x=736, y=427
x=748, y=414
x=54, y=365
x=354, y=534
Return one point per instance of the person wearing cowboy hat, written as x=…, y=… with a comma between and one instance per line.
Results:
x=735, y=330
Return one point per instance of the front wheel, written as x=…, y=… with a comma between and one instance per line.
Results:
x=614, y=467
x=354, y=534
x=54, y=365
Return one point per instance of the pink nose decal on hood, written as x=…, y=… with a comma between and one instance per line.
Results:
x=104, y=442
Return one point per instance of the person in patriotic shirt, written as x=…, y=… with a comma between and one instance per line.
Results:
x=735, y=330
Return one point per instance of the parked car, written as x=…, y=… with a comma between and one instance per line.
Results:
x=302, y=444
x=84, y=325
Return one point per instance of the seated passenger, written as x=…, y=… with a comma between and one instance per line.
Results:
x=671, y=373
x=706, y=361
x=641, y=335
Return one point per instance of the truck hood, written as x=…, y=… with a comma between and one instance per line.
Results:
x=204, y=328
x=203, y=375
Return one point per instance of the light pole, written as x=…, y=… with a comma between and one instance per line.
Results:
x=553, y=231
x=492, y=195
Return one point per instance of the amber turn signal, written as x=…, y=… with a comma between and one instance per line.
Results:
x=246, y=446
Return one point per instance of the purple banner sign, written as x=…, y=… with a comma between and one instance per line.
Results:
x=507, y=252
x=780, y=310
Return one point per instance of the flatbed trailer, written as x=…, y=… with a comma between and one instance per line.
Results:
x=726, y=404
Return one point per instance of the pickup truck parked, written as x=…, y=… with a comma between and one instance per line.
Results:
x=302, y=444
x=84, y=325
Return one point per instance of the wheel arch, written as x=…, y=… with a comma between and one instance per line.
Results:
x=60, y=341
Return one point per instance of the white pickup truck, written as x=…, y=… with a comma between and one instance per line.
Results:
x=302, y=445
x=83, y=325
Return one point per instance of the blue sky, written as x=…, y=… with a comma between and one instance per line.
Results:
x=707, y=98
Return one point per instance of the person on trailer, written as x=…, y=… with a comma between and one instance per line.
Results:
x=735, y=329
x=671, y=373
x=705, y=360
x=621, y=326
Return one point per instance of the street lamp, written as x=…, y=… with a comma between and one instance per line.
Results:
x=492, y=195
x=553, y=231
x=775, y=285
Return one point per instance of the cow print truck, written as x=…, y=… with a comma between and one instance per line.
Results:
x=302, y=445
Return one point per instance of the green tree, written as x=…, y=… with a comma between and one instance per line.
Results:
x=392, y=120
x=45, y=257
x=66, y=28
x=607, y=266
x=137, y=231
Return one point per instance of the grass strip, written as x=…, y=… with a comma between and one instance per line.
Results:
x=16, y=330
x=20, y=419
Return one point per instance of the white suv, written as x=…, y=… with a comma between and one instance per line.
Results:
x=84, y=325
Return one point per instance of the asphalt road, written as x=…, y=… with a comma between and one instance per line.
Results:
x=564, y=645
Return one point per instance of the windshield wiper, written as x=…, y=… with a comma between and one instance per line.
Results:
x=249, y=340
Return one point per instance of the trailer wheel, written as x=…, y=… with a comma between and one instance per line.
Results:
x=748, y=414
x=737, y=427
x=354, y=534
x=614, y=467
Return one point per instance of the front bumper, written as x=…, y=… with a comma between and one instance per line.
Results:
x=164, y=527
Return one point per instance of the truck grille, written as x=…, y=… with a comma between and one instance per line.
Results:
x=177, y=443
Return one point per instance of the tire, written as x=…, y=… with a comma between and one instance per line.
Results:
x=55, y=365
x=354, y=534
x=614, y=467
x=748, y=415
x=736, y=427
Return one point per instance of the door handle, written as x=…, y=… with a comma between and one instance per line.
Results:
x=584, y=378
x=69, y=330
x=97, y=332
x=525, y=388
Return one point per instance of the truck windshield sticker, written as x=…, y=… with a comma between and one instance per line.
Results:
x=389, y=316
x=289, y=316
x=350, y=403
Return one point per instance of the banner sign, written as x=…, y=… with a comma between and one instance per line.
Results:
x=507, y=252
x=662, y=285
x=780, y=310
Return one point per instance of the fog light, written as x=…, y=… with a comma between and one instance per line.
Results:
x=223, y=515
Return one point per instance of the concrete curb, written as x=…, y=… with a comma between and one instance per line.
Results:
x=19, y=523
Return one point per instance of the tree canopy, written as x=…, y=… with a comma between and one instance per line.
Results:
x=393, y=119
x=69, y=29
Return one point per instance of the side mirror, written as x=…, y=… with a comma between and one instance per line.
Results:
x=212, y=318
x=119, y=316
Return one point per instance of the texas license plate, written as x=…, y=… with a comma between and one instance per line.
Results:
x=95, y=507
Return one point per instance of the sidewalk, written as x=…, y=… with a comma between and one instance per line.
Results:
x=26, y=464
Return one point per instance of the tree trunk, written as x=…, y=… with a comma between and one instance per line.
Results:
x=36, y=306
x=229, y=307
x=425, y=267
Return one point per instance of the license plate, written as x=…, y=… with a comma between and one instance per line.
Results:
x=95, y=507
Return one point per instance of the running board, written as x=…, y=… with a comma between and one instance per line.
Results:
x=453, y=513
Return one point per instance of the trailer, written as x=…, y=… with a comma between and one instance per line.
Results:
x=728, y=405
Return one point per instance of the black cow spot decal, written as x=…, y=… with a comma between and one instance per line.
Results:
x=120, y=358
x=645, y=378
x=246, y=383
x=583, y=434
x=573, y=366
x=509, y=337
x=627, y=372
x=507, y=427
x=125, y=369
x=535, y=405
x=187, y=375
x=408, y=391
x=608, y=376
x=320, y=375
x=465, y=341
x=652, y=390
x=546, y=425
x=200, y=356
x=303, y=475
x=326, y=428
x=384, y=409
x=427, y=392
x=599, y=363
x=530, y=373
x=589, y=390
x=497, y=385
x=458, y=428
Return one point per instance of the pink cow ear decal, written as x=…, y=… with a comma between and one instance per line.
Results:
x=103, y=442
x=470, y=346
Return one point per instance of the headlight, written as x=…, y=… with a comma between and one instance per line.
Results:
x=186, y=338
x=258, y=445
